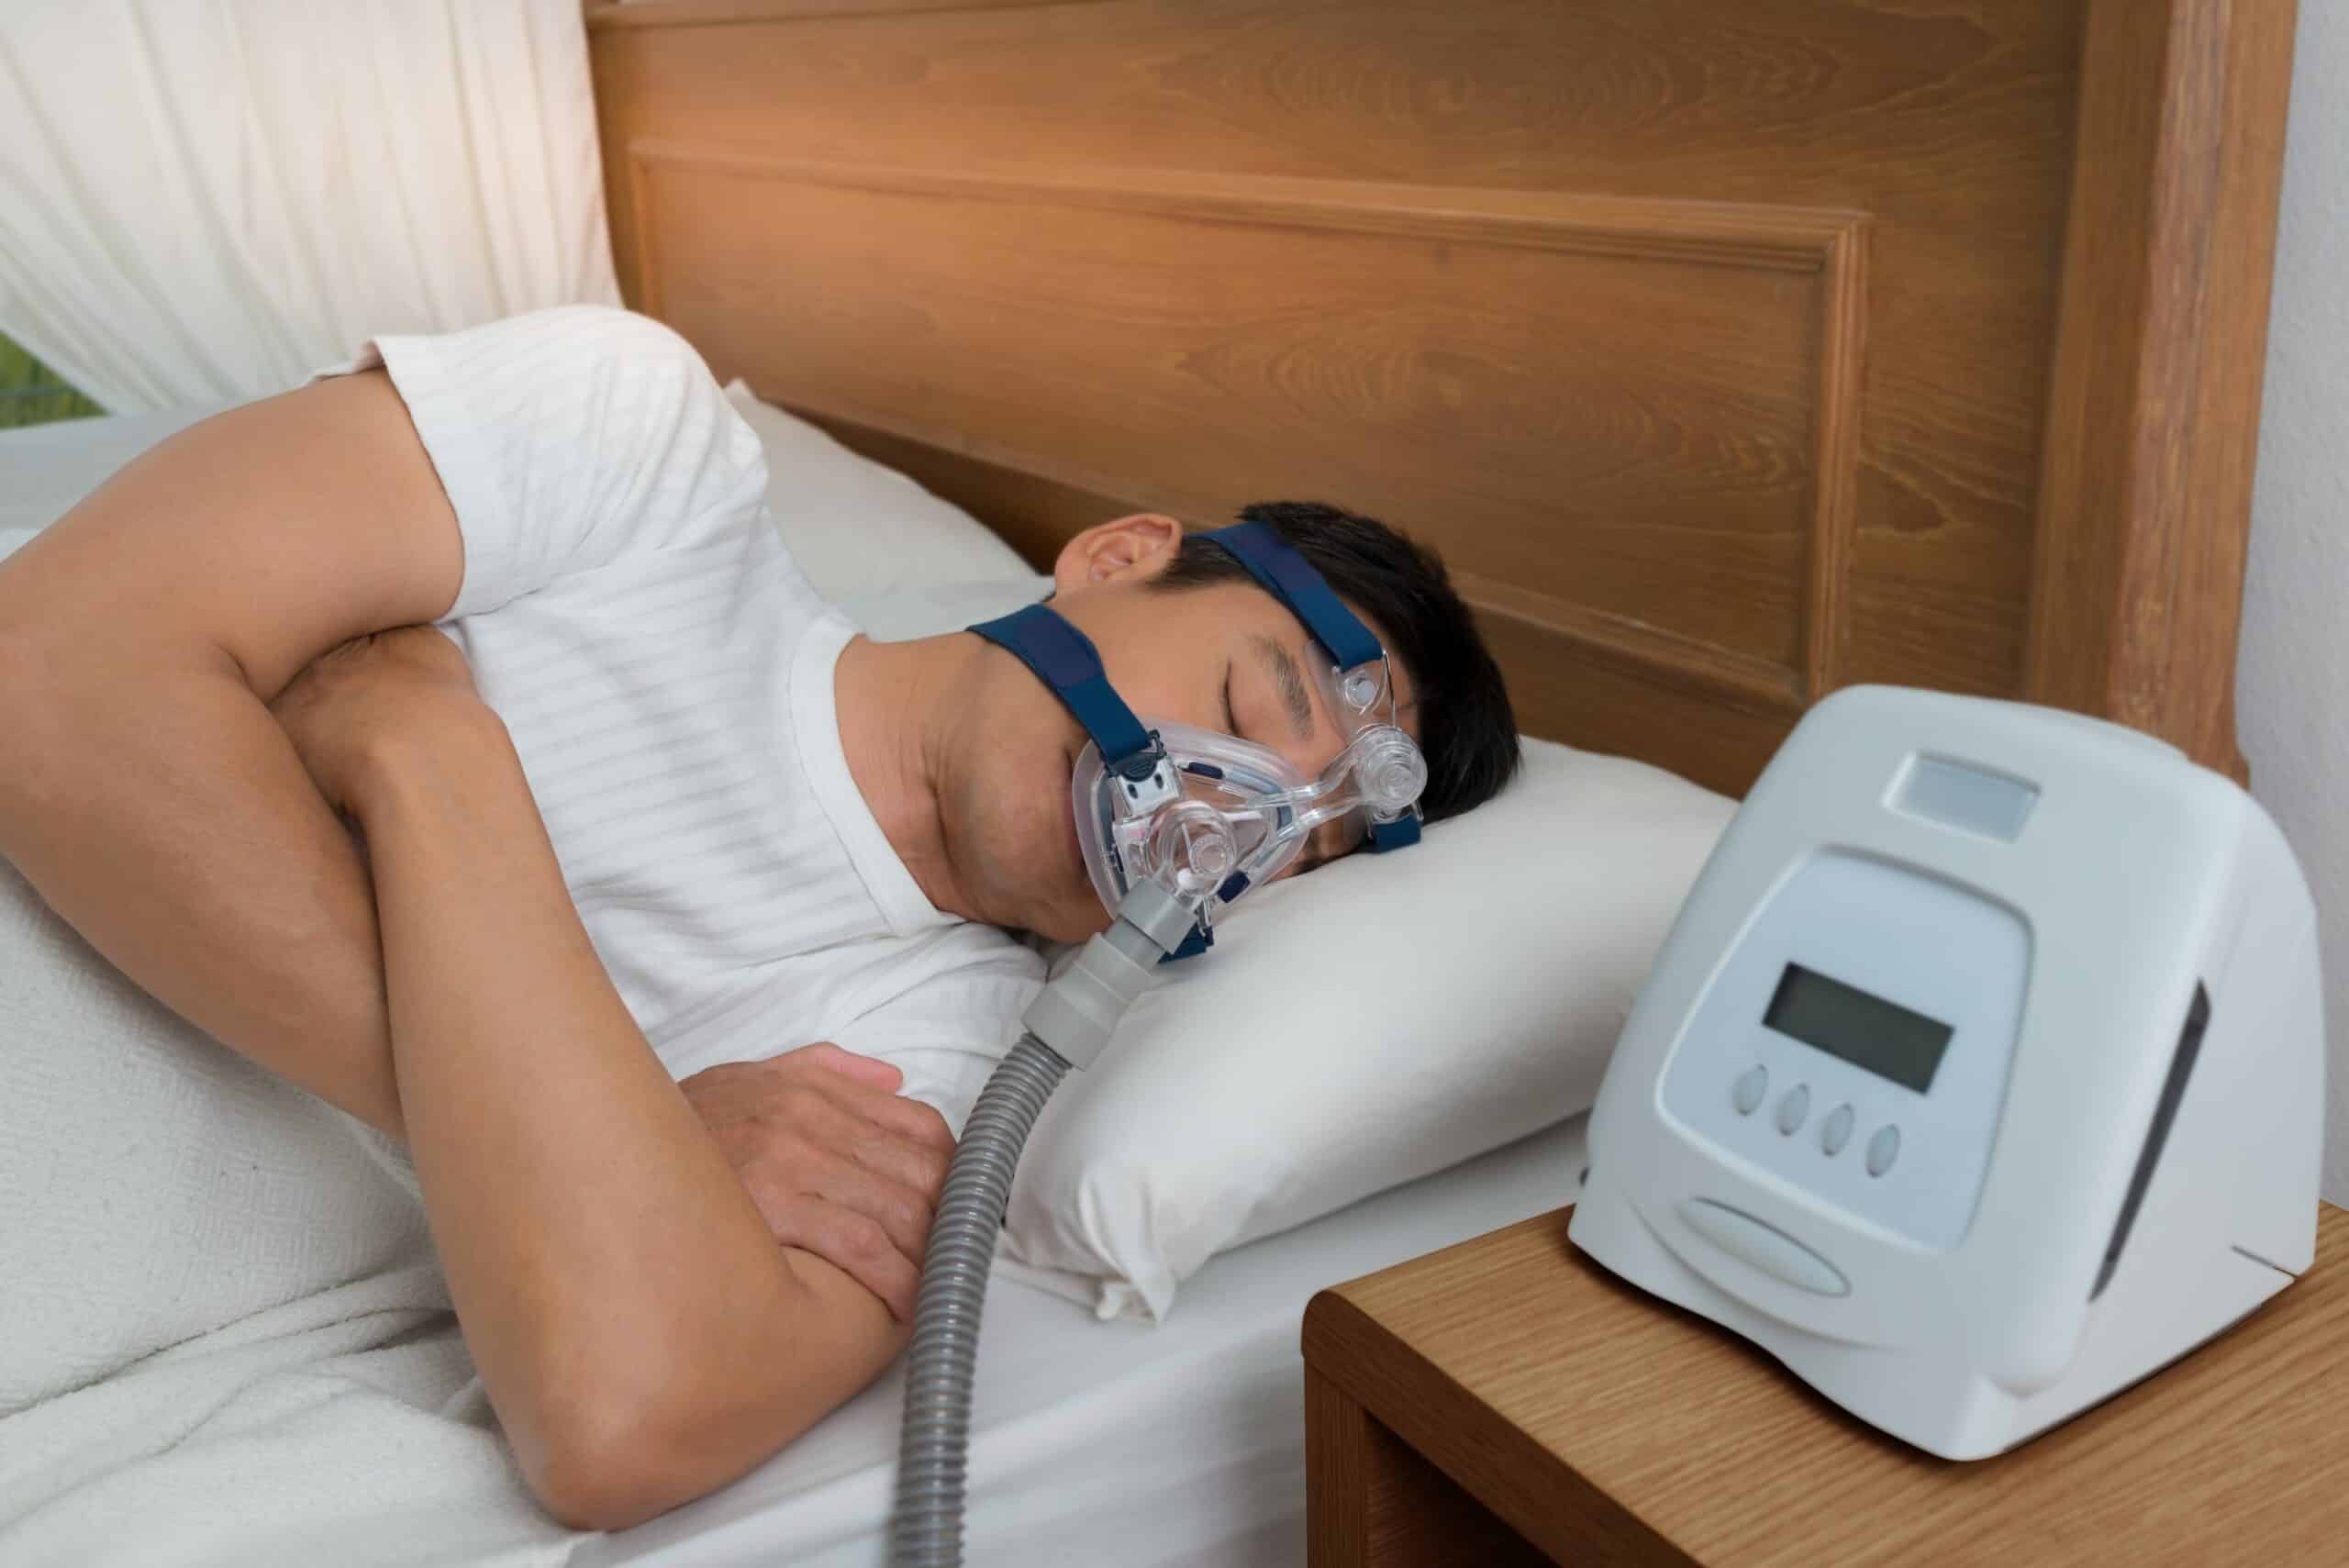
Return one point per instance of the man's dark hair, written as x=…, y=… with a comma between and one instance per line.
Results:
x=1466, y=727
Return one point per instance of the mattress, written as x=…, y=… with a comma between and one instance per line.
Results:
x=1180, y=1445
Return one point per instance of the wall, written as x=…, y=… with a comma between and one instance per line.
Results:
x=2292, y=698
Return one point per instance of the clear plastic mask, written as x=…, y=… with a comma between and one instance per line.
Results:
x=1219, y=815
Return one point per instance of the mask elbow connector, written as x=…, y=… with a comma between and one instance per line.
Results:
x=1076, y=1013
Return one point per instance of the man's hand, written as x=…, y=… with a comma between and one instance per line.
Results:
x=356, y=693
x=838, y=1162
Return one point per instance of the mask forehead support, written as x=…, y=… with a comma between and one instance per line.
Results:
x=1290, y=578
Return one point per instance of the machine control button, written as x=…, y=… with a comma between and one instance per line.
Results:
x=1883, y=1149
x=1747, y=1092
x=1765, y=1247
x=1837, y=1131
x=1794, y=1108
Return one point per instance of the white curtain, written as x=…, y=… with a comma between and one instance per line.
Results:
x=203, y=200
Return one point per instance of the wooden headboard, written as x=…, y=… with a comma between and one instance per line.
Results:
x=1730, y=350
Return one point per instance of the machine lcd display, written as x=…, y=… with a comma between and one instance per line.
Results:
x=1864, y=1029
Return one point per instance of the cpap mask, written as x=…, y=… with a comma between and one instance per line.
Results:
x=1176, y=824
x=1205, y=815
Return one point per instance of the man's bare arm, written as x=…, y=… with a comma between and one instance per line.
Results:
x=145, y=791
x=642, y=1336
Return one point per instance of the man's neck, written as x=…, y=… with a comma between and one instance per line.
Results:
x=894, y=700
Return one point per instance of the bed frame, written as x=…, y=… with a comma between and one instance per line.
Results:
x=1730, y=351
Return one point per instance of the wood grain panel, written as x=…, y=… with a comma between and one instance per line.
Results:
x=1824, y=103
x=2155, y=425
x=1208, y=344
x=603, y=14
x=1691, y=492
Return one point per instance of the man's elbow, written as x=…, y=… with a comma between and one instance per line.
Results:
x=613, y=1474
x=635, y=1471
x=723, y=1415
x=613, y=1479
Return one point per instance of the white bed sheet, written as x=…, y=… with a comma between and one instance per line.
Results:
x=1175, y=1446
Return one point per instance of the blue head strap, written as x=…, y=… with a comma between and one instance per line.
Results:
x=1290, y=578
x=1066, y=660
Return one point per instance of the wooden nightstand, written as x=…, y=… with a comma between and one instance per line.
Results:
x=1507, y=1401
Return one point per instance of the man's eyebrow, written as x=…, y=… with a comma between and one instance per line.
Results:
x=1291, y=682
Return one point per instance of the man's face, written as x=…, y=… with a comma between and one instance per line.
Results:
x=1226, y=657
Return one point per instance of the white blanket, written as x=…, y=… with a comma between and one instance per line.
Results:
x=224, y=1337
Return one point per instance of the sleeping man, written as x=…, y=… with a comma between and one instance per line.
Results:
x=455, y=738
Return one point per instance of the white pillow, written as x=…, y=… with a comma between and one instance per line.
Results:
x=857, y=528
x=1381, y=1018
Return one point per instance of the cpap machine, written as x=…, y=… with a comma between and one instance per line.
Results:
x=1981, y=1074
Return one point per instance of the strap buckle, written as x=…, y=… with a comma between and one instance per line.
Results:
x=1148, y=778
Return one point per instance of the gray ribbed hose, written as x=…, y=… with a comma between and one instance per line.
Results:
x=934, y=1449
x=1068, y=1025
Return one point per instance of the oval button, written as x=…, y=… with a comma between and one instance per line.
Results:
x=1794, y=1108
x=1765, y=1247
x=1837, y=1133
x=1747, y=1092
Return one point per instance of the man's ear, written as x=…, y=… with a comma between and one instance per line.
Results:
x=1123, y=550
